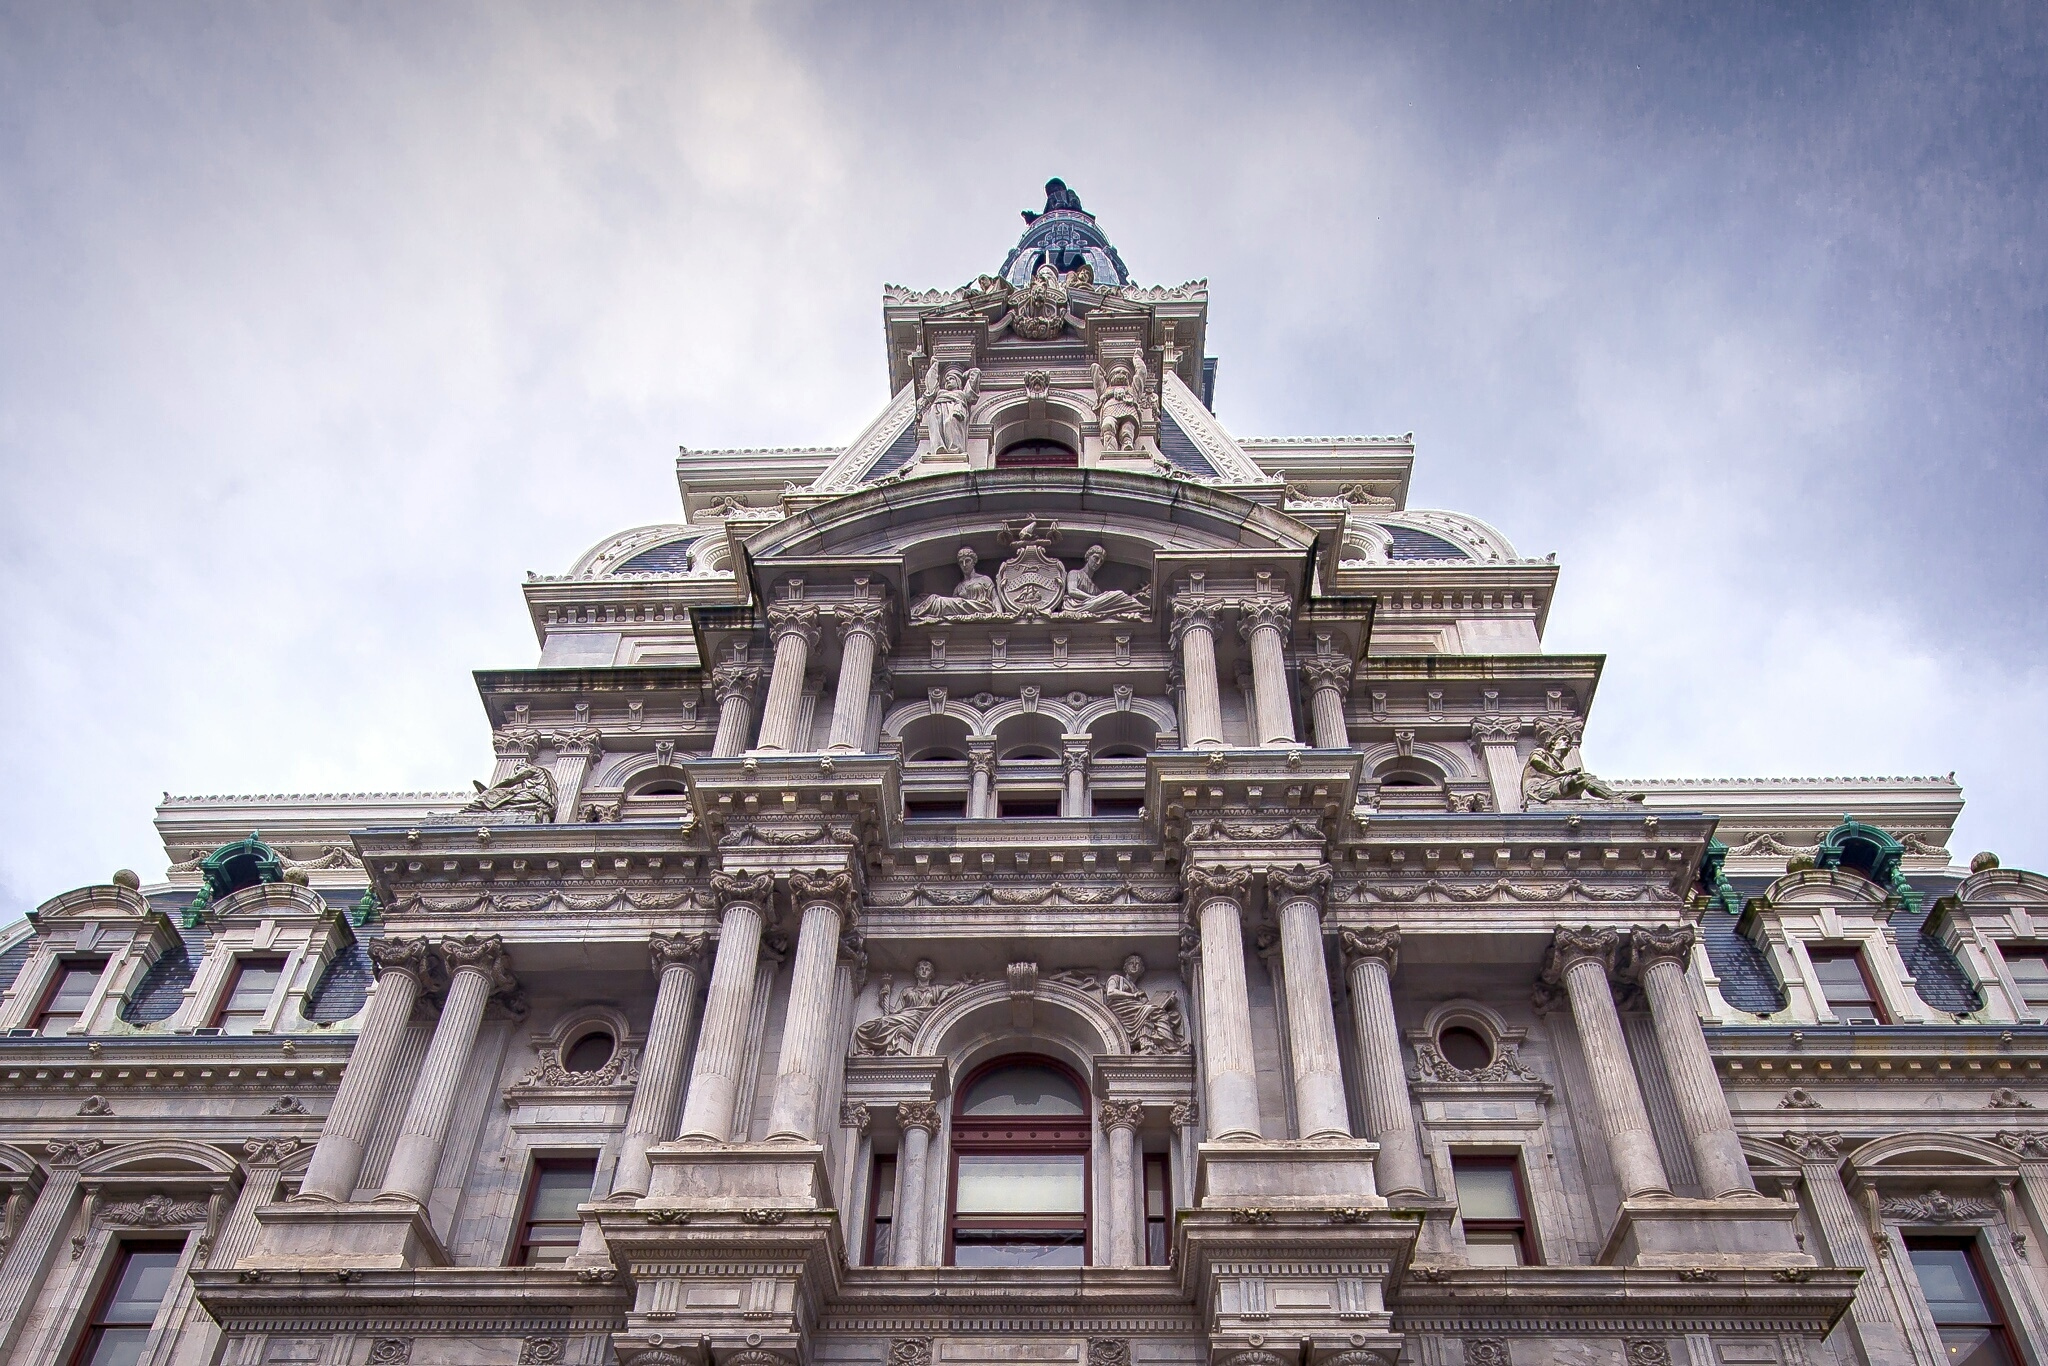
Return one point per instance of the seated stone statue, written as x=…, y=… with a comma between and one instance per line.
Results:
x=891, y=1033
x=1084, y=599
x=527, y=788
x=1150, y=1026
x=1553, y=776
x=974, y=598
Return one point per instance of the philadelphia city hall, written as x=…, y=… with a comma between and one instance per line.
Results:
x=1049, y=883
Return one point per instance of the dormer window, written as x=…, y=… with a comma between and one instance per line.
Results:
x=247, y=999
x=1037, y=454
x=70, y=993
x=1846, y=986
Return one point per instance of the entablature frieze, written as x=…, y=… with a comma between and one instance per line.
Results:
x=1992, y=1057
x=1591, y=1301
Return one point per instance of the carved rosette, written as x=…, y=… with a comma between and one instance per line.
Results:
x=677, y=950
x=1122, y=1114
x=1109, y=1352
x=1648, y=1352
x=1569, y=946
x=1300, y=883
x=1651, y=944
x=910, y=1352
x=390, y=1351
x=918, y=1114
x=484, y=954
x=1372, y=941
x=728, y=889
x=1815, y=1150
x=735, y=680
x=794, y=618
x=854, y=1114
x=1207, y=884
x=1334, y=674
x=401, y=955
x=1486, y=1352
x=1255, y=614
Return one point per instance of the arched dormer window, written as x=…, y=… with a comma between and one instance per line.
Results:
x=1020, y=1167
x=1037, y=454
x=231, y=868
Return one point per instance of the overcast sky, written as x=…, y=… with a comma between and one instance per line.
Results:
x=322, y=324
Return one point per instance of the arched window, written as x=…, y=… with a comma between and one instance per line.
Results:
x=1020, y=1167
x=1020, y=454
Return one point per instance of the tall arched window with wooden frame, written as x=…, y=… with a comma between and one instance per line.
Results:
x=1019, y=1189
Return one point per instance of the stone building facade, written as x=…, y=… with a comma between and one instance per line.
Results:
x=1054, y=883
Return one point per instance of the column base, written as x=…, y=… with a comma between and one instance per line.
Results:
x=738, y=1176
x=1321, y=1173
x=383, y=1235
x=1674, y=1231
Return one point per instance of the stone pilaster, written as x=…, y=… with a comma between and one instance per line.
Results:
x=863, y=639
x=715, y=1082
x=1658, y=962
x=1265, y=622
x=35, y=1243
x=1121, y=1120
x=260, y=1166
x=1842, y=1228
x=825, y=901
x=514, y=750
x=575, y=751
x=1074, y=775
x=1311, y=1020
x=1494, y=737
x=401, y=966
x=981, y=791
x=794, y=626
x=1194, y=636
x=1371, y=955
x=478, y=970
x=1327, y=681
x=735, y=685
x=1581, y=960
x=678, y=959
x=920, y=1123
x=1215, y=900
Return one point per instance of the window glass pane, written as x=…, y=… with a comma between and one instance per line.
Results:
x=1975, y=1347
x=2030, y=970
x=1155, y=1188
x=1017, y=1247
x=117, y=1347
x=1493, y=1248
x=1841, y=977
x=1023, y=1091
x=992, y=1184
x=140, y=1286
x=255, y=979
x=885, y=1187
x=75, y=982
x=1949, y=1282
x=558, y=1190
x=1487, y=1191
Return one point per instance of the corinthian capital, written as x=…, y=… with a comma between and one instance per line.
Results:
x=484, y=954
x=1299, y=882
x=1651, y=944
x=822, y=888
x=918, y=1114
x=1189, y=613
x=1122, y=1114
x=735, y=680
x=1203, y=884
x=794, y=618
x=1255, y=613
x=400, y=955
x=581, y=742
x=1318, y=674
x=730, y=888
x=1496, y=730
x=1569, y=946
x=1814, y=1149
x=864, y=618
x=518, y=743
x=681, y=950
x=1372, y=941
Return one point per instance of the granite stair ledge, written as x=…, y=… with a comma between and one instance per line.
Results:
x=738, y=1177
x=1319, y=1173
x=1747, y=1230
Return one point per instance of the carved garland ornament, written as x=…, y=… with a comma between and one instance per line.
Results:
x=1936, y=1207
x=153, y=1211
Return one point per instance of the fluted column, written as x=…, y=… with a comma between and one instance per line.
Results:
x=478, y=970
x=1328, y=682
x=1494, y=737
x=1319, y=1106
x=1121, y=1120
x=678, y=959
x=735, y=685
x=1659, y=957
x=1074, y=775
x=824, y=900
x=981, y=763
x=1216, y=896
x=861, y=627
x=1265, y=621
x=715, y=1082
x=1194, y=635
x=35, y=1242
x=401, y=966
x=575, y=751
x=795, y=629
x=1372, y=955
x=1581, y=960
x=920, y=1123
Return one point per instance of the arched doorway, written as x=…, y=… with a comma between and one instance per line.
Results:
x=1019, y=1189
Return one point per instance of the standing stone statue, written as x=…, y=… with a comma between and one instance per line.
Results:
x=527, y=788
x=890, y=1034
x=1150, y=1026
x=945, y=405
x=1122, y=400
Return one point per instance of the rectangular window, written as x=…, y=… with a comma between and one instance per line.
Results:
x=548, y=1226
x=1118, y=803
x=1030, y=808
x=882, y=1211
x=935, y=809
x=1965, y=1309
x=136, y=1288
x=70, y=989
x=1158, y=1209
x=247, y=999
x=1491, y=1206
x=1023, y=1209
x=1845, y=985
x=2029, y=968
